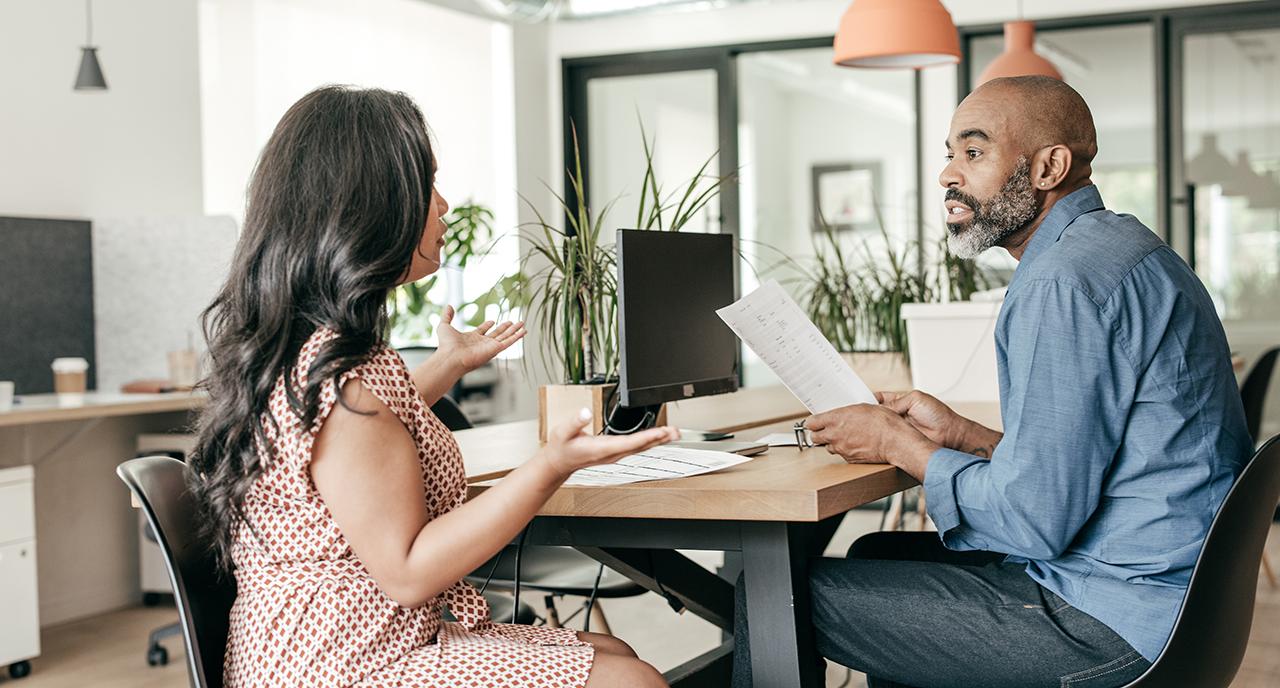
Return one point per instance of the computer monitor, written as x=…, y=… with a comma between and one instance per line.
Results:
x=673, y=345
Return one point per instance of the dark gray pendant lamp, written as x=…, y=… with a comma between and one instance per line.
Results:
x=90, y=77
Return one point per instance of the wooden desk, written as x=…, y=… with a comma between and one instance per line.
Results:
x=49, y=408
x=777, y=510
x=86, y=556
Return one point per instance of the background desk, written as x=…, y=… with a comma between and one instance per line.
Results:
x=777, y=510
x=87, y=556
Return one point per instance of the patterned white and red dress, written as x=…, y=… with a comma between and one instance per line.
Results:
x=307, y=612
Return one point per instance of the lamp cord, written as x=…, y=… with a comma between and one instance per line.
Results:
x=88, y=15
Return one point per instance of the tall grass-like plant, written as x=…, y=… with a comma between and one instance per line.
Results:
x=834, y=292
x=567, y=280
x=857, y=303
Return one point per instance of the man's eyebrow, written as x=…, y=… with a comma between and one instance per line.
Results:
x=973, y=134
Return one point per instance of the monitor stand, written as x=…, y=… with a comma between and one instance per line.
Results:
x=624, y=421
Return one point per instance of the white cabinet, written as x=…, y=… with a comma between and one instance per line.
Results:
x=19, y=606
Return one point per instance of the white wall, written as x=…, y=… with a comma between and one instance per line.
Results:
x=260, y=56
x=133, y=149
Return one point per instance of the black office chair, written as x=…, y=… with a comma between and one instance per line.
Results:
x=1212, y=631
x=555, y=572
x=203, y=597
x=449, y=413
x=1253, y=391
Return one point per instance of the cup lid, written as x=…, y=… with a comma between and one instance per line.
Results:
x=70, y=365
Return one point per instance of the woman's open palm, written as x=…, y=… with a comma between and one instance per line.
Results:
x=569, y=447
x=479, y=346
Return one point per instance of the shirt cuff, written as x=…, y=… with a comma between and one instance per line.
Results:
x=940, y=487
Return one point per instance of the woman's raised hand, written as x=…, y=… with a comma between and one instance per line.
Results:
x=472, y=349
x=569, y=447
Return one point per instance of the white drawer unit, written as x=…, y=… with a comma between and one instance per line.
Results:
x=19, y=605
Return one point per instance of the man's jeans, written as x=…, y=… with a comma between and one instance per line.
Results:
x=909, y=612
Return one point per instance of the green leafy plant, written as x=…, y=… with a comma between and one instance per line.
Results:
x=567, y=280
x=857, y=304
x=410, y=313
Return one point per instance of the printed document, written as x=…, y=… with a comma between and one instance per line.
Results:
x=658, y=463
x=774, y=326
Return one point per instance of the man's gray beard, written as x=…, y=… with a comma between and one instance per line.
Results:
x=999, y=218
x=971, y=241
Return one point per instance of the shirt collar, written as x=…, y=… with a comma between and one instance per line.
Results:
x=1061, y=215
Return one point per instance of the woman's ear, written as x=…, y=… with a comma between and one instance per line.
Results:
x=1050, y=167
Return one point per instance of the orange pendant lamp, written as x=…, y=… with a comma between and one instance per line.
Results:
x=1019, y=57
x=896, y=34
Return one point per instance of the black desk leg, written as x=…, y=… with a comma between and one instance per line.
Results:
x=775, y=558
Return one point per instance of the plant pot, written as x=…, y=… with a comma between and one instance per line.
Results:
x=883, y=371
x=559, y=403
x=953, y=350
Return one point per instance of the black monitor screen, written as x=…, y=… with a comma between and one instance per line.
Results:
x=673, y=344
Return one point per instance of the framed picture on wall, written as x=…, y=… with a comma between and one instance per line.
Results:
x=845, y=194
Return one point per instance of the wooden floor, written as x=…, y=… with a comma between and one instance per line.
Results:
x=109, y=651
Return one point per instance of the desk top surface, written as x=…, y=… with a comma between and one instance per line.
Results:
x=785, y=484
x=50, y=408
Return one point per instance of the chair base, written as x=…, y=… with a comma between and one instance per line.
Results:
x=157, y=655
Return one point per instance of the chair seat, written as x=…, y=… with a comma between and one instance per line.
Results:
x=556, y=570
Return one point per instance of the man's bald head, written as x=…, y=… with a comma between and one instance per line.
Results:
x=1042, y=112
x=1016, y=146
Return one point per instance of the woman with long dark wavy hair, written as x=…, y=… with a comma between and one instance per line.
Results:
x=328, y=487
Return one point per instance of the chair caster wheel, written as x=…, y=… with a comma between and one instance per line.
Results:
x=19, y=669
x=157, y=656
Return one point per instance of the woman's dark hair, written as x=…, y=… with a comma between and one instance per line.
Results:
x=336, y=209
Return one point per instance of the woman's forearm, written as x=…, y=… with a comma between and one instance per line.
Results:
x=436, y=376
x=452, y=546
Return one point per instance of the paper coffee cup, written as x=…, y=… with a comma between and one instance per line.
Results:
x=70, y=375
x=6, y=395
x=184, y=368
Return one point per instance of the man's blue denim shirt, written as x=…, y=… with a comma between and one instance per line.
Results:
x=1123, y=426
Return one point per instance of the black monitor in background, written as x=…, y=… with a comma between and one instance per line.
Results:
x=46, y=299
x=673, y=345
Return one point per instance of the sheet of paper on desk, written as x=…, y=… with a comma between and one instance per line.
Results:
x=774, y=326
x=658, y=463
x=779, y=439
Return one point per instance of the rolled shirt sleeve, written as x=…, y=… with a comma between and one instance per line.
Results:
x=1065, y=402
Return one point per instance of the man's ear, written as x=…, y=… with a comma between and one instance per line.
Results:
x=1050, y=167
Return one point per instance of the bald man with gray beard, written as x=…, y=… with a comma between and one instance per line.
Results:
x=1066, y=542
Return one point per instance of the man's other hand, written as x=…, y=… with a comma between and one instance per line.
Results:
x=931, y=417
x=865, y=433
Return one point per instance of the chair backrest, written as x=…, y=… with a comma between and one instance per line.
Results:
x=1212, y=630
x=203, y=596
x=1253, y=391
x=449, y=413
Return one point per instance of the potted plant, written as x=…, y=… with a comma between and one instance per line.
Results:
x=859, y=304
x=953, y=338
x=856, y=304
x=567, y=286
